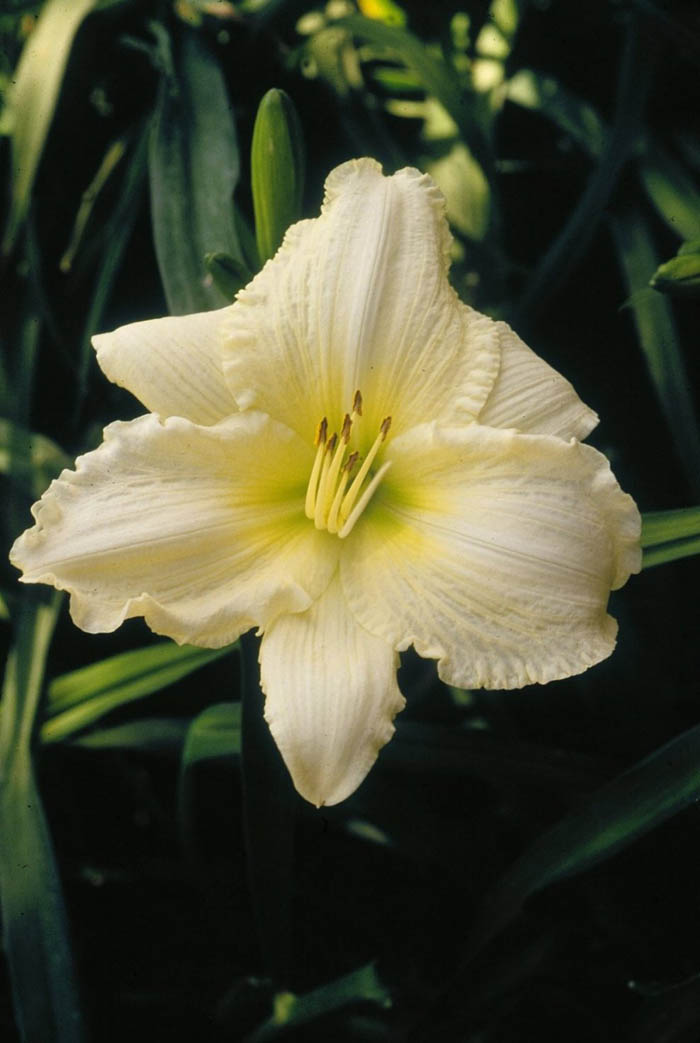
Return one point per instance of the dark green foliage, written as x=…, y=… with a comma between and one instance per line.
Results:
x=518, y=865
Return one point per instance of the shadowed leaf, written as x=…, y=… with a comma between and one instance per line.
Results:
x=194, y=169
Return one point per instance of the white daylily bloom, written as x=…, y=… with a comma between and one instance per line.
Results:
x=353, y=461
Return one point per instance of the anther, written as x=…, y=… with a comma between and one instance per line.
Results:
x=352, y=493
x=329, y=503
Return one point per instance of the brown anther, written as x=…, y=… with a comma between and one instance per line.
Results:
x=357, y=403
x=351, y=461
x=331, y=443
x=384, y=426
x=321, y=432
x=345, y=431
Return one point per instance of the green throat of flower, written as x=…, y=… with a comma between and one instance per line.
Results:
x=339, y=490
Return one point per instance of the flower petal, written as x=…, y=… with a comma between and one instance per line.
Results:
x=172, y=365
x=331, y=696
x=359, y=299
x=200, y=530
x=533, y=397
x=493, y=552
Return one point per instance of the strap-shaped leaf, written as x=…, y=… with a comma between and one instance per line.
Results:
x=640, y=799
x=80, y=698
x=290, y=1011
x=193, y=168
x=658, y=339
x=35, y=929
x=32, y=101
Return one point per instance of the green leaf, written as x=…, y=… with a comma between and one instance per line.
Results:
x=438, y=78
x=31, y=459
x=672, y=191
x=35, y=929
x=80, y=698
x=383, y=11
x=215, y=732
x=670, y=552
x=655, y=789
x=229, y=275
x=194, y=169
x=291, y=1011
x=680, y=276
x=573, y=240
x=670, y=535
x=117, y=232
x=544, y=94
x=658, y=338
x=154, y=734
x=32, y=100
x=663, y=526
x=277, y=170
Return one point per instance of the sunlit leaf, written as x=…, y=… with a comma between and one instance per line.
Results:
x=194, y=169
x=35, y=930
x=655, y=789
x=383, y=11
x=277, y=170
x=680, y=276
x=292, y=1011
x=670, y=552
x=465, y=188
x=80, y=698
x=663, y=526
x=658, y=338
x=433, y=72
x=34, y=95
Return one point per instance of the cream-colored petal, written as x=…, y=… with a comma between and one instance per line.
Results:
x=172, y=365
x=493, y=552
x=359, y=299
x=330, y=696
x=532, y=397
x=200, y=530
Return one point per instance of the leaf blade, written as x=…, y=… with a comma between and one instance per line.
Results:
x=193, y=170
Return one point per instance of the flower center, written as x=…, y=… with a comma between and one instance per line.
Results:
x=341, y=485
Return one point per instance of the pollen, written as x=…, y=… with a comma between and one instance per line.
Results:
x=342, y=482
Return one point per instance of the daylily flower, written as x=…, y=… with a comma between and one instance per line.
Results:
x=353, y=461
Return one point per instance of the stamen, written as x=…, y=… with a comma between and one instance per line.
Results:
x=328, y=481
x=338, y=499
x=320, y=441
x=319, y=512
x=354, y=489
x=329, y=503
x=363, y=501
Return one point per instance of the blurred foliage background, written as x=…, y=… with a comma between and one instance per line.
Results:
x=518, y=865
